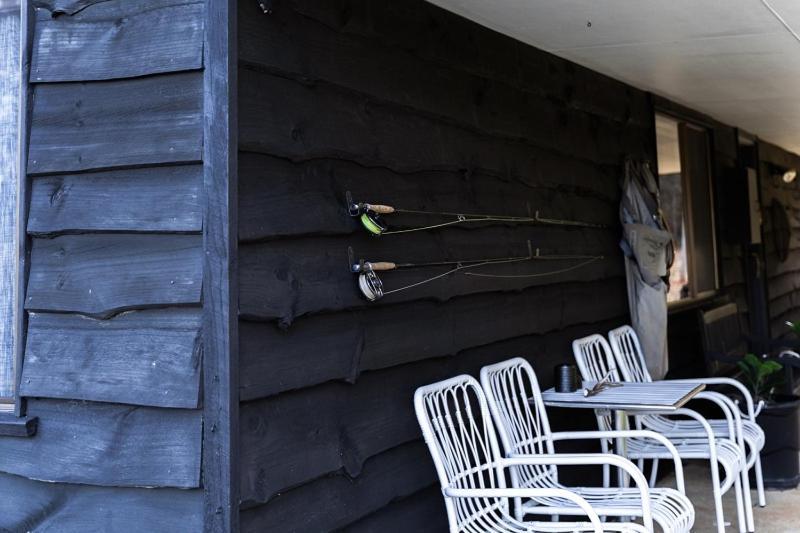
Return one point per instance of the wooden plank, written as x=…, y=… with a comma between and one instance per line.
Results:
x=435, y=35
x=289, y=278
x=29, y=505
x=307, y=121
x=108, y=445
x=160, y=199
x=425, y=508
x=275, y=360
x=280, y=199
x=359, y=63
x=9, y=168
x=139, y=358
x=290, y=439
x=118, y=40
x=340, y=500
x=220, y=284
x=82, y=126
x=12, y=425
x=27, y=15
x=104, y=274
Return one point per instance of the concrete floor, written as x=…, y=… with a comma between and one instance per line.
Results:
x=781, y=515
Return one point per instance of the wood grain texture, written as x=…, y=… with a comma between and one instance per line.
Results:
x=435, y=35
x=220, y=284
x=286, y=279
x=280, y=199
x=118, y=40
x=108, y=445
x=426, y=506
x=139, y=358
x=275, y=360
x=320, y=430
x=104, y=274
x=160, y=199
x=340, y=499
x=407, y=105
x=29, y=505
x=81, y=126
x=359, y=63
x=9, y=169
x=308, y=121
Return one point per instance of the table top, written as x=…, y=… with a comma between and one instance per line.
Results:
x=655, y=396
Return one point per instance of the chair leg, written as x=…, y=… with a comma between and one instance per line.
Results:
x=762, y=499
x=741, y=519
x=748, y=498
x=654, y=473
x=717, y=495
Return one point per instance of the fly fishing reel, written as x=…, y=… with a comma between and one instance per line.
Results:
x=369, y=283
x=369, y=215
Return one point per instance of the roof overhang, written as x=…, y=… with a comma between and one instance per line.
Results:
x=736, y=60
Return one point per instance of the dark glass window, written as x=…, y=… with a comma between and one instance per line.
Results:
x=684, y=173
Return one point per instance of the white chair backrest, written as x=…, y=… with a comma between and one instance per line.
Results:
x=628, y=354
x=596, y=361
x=458, y=430
x=515, y=402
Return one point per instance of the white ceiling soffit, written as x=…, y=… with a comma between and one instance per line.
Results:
x=735, y=60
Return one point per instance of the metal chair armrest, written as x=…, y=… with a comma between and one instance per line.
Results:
x=631, y=433
x=574, y=459
x=592, y=515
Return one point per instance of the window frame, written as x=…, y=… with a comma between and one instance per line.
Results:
x=12, y=409
x=696, y=297
x=8, y=403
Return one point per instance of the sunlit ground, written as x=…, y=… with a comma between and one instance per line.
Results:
x=781, y=515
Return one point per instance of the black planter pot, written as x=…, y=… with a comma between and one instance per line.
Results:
x=780, y=458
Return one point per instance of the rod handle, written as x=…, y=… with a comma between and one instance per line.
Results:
x=381, y=209
x=383, y=265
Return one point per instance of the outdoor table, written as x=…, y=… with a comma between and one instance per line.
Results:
x=634, y=398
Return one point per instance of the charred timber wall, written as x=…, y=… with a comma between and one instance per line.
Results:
x=113, y=352
x=783, y=283
x=403, y=103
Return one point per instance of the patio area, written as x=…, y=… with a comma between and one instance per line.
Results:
x=782, y=514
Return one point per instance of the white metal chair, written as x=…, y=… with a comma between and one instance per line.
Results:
x=630, y=361
x=596, y=361
x=458, y=430
x=515, y=402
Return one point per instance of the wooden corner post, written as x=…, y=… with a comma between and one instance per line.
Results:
x=220, y=301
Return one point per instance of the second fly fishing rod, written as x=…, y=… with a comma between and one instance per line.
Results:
x=371, y=217
x=371, y=285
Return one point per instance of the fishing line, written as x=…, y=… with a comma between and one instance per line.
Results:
x=371, y=285
x=371, y=217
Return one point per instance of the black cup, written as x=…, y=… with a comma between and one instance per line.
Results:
x=566, y=378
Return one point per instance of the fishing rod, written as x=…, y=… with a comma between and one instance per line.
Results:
x=371, y=217
x=371, y=285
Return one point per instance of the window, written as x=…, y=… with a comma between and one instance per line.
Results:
x=9, y=125
x=686, y=200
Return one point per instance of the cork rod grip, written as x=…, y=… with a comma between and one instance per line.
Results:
x=383, y=265
x=381, y=209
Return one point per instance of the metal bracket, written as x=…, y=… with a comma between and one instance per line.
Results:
x=266, y=6
x=356, y=267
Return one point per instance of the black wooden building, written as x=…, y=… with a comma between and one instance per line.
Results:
x=193, y=352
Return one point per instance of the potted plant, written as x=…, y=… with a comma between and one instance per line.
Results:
x=780, y=460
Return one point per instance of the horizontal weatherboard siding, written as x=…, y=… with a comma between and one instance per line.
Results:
x=103, y=274
x=82, y=126
x=155, y=199
x=139, y=357
x=29, y=505
x=402, y=103
x=118, y=40
x=109, y=445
